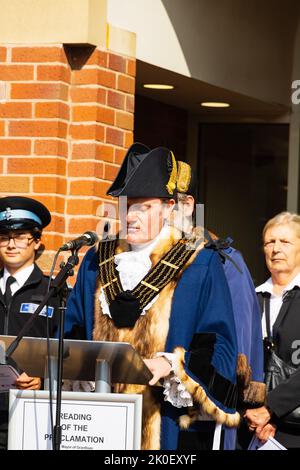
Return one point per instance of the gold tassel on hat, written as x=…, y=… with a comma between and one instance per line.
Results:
x=171, y=185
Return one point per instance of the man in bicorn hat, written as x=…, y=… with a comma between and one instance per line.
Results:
x=246, y=310
x=169, y=299
x=22, y=283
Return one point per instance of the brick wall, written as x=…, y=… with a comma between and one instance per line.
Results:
x=64, y=131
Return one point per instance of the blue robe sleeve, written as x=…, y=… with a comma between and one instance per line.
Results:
x=80, y=306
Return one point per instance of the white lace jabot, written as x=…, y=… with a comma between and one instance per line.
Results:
x=133, y=267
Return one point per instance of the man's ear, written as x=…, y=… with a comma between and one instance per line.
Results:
x=37, y=244
x=189, y=204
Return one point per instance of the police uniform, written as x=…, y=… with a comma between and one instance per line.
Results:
x=182, y=307
x=22, y=213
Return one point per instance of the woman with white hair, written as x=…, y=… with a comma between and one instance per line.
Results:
x=280, y=300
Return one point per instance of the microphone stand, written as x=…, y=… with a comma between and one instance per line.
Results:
x=67, y=269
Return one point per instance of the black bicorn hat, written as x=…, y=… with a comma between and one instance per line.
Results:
x=146, y=173
x=22, y=213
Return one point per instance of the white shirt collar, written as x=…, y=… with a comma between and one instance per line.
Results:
x=268, y=285
x=20, y=277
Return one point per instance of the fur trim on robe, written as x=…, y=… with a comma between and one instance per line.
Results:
x=148, y=337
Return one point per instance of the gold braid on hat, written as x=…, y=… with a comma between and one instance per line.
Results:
x=171, y=185
x=184, y=177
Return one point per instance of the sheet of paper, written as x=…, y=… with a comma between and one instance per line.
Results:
x=271, y=444
x=8, y=376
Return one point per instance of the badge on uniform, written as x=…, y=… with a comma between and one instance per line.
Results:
x=31, y=308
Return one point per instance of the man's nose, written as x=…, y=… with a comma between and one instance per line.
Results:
x=11, y=243
x=131, y=216
x=277, y=246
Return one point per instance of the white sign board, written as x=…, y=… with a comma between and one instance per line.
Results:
x=89, y=421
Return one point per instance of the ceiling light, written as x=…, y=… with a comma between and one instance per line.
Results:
x=215, y=104
x=158, y=86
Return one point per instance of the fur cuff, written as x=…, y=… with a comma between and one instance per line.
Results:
x=255, y=393
x=243, y=372
x=199, y=394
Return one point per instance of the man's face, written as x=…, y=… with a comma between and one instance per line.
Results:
x=145, y=218
x=282, y=249
x=20, y=251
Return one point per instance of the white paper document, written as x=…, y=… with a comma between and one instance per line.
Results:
x=271, y=444
x=8, y=376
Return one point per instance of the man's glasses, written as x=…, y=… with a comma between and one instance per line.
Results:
x=20, y=241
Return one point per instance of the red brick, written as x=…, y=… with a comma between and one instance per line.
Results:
x=15, y=147
x=51, y=109
x=53, y=73
x=15, y=110
x=128, y=139
x=82, y=188
x=107, y=79
x=57, y=224
x=51, y=147
x=38, y=54
x=124, y=120
x=2, y=54
x=38, y=128
x=93, y=113
x=117, y=62
x=11, y=73
x=88, y=131
x=110, y=172
x=114, y=136
x=126, y=84
x=101, y=187
x=119, y=155
x=129, y=104
x=105, y=153
x=2, y=128
x=115, y=99
x=82, y=206
x=80, y=151
x=14, y=184
x=85, y=169
x=131, y=67
x=37, y=166
x=79, y=225
x=51, y=241
x=84, y=113
x=53, y=203
x=98, y=58
x=49, y=184
x=87, y=95
x=105, y=115
x=85, y=77
x=50, y=91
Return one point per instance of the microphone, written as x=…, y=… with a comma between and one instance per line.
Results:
x=87, y=239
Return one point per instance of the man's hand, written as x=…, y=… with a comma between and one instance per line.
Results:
x=159, y=366
x=257, y=418
x=24, y=382
x=267, y=431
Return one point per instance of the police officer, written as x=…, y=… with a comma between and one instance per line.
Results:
x=22, y=283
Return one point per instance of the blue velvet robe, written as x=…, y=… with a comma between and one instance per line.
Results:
x=201, y=306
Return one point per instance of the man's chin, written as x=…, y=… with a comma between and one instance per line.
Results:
x=135, y=239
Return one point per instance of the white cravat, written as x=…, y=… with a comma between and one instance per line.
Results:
x=133, y=266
